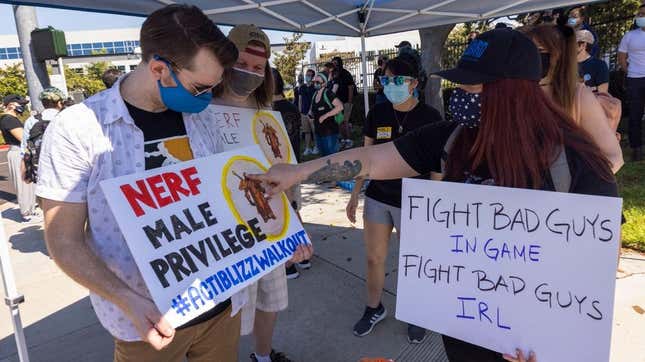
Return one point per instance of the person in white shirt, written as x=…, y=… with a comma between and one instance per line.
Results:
x=118, y=132
x=631, y=58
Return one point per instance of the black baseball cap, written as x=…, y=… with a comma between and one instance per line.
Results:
x=404, y=43
x=496, y=54
x=14, y=98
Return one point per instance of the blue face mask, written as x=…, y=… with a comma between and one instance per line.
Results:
x=307, y=79
x=465, y=108
x=572, y=21
x=178, y=98
x=640, y=22
x=396, y=93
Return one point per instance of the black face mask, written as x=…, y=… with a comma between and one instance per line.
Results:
x=546, y=63
x=20, y=109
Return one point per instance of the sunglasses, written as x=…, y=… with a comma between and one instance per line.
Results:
x=197, y=88
x=396, y=80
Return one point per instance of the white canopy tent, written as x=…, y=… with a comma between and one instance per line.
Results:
x=355, y=18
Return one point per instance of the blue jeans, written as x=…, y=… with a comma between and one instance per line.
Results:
x=327, y=145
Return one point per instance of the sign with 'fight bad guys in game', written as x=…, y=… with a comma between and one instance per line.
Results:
x=510, y=268
x=202, y=230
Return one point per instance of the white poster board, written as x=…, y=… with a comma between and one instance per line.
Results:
x=201, y=231
x=510, y=268
x=240, y=127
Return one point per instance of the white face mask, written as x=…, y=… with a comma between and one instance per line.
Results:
x=640, y=22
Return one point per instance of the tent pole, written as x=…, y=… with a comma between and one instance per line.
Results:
x=12, y=298
x=366, y=99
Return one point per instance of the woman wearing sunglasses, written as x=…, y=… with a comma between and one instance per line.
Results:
x=324, y=108
x=501, y=118
x=382, y=209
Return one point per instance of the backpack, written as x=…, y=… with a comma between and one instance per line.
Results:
x=560, y=173
x=339, y=118
x=32, y=151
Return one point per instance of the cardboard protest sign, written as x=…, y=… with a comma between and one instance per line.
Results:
x=510, y=268
x=201, y=230
x=241, y=127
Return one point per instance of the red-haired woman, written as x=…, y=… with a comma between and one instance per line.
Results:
x=560, y=81
x=501, y=118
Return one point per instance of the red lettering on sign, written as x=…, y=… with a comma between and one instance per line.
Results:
x=135, y=196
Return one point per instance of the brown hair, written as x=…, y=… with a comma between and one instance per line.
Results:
x=560, y=42
x=177, y=32
x=537, y=123
x=263, y=94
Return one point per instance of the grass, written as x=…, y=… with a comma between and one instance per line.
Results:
x=631, y=186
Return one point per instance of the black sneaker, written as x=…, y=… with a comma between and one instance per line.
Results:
x=371, y=316
x=275, y=357
x=292, y=272
x=305, y=264
x=416, y=335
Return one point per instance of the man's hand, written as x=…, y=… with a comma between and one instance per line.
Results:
x=303, y=252
x=351, y=209
x=279, y=178
x=149, y=322
x=519, y=357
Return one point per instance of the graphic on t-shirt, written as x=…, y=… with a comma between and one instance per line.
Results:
x=246, y=198
x=167, y=151
x=383, y=133
x=271, y=138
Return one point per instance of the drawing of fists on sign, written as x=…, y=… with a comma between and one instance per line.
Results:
x=246, y=197
x=271, y=138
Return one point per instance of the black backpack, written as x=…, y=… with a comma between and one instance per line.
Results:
x=32, y=151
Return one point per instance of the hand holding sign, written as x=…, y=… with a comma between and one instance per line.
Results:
x=519, y=357
x=149, y=322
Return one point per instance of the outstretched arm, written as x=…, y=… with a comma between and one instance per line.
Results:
x=380, y=162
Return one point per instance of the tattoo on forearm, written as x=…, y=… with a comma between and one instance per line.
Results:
x=337, y=172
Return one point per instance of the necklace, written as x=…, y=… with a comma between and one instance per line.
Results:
x=402, y=123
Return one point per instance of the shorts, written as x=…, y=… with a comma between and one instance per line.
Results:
x=381, y=213
x=307, y=124
x=269, y=294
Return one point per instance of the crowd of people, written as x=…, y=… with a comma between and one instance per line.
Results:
x=540, y=87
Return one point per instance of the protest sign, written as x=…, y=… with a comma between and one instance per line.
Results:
x=241, y=127
x=510, y=268
x=201, y=230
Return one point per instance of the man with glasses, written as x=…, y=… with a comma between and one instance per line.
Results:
x=136, y=125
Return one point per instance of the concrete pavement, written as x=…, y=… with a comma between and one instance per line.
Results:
x=324, y=302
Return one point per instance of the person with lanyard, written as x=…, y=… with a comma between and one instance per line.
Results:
x=305, y=94
x=250, y=84
x=501, y=118
x=382, y=210
x=593, y=72
x=324, y=108
x=13, y=134
x=557, y=46
x=139, y=124
x=378, y=73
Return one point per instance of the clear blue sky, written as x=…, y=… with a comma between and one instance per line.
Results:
x=69, y=20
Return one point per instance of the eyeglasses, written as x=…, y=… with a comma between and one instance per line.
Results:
x=197, y=88
x=397, y=79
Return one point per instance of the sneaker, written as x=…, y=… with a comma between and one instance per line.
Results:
x=370, y=318
x=279, y=357
x=292, y=272
x=416, y=335
x=349, y=143
x=315, y=151
x=305, y=264
x=307, y=152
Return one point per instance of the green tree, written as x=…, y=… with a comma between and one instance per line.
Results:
x=89, y=81
x=12, y=80
x=287, y=61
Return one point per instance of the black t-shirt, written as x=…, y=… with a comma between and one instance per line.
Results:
x=593, y=72
x=344, y=80
x=292, y=122
x=423, y=149
x=305, y=93
x=7, y=123
x=166, y=143
x=329, y=126
x=383, y=125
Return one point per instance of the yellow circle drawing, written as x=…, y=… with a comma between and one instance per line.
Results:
x=279, y=131
x=272, y=237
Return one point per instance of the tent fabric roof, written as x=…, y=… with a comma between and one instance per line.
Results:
x=334, y=17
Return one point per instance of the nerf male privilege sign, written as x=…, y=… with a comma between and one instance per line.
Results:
x=201, y=230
